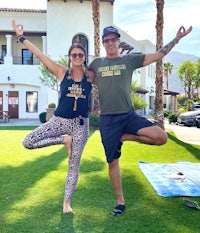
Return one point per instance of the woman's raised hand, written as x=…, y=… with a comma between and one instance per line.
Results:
x=18, y=28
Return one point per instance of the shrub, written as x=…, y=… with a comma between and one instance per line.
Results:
x=166, y=113
x=94, y=119
x=42, y=117
x=52, y=105
x=173, y=118
x=181, y=110
x=189, y=105
x=181, y=99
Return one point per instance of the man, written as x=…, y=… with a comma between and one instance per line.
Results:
x=118, y=120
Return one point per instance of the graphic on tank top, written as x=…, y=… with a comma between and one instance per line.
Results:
x=76, y=91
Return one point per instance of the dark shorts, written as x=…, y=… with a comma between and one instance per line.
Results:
x=113, y=126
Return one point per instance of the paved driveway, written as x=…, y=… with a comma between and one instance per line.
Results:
x=184, y=133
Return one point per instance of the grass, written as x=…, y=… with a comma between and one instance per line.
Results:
x=32, y=187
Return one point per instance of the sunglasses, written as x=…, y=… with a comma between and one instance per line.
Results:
x=113, y=40
x=75, y=55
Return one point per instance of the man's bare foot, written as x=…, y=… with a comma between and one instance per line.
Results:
x=66, y=207
x=68, y=144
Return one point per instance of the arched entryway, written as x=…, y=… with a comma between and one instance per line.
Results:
x=82, y=39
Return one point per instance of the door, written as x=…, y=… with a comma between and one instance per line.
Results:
x=1, y=101
x=13, y=104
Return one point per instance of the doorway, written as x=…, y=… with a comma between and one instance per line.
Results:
x=13, y=104
x=1, y=100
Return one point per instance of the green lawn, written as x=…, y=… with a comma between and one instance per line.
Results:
x=32, y=187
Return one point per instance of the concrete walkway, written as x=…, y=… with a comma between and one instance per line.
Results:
x=20, y=122
x=186, y=134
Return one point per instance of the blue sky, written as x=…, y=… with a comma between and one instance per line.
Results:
x=138, y=18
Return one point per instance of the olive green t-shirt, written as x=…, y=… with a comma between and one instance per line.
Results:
x=114, y=78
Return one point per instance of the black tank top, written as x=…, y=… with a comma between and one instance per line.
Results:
x=74, y=98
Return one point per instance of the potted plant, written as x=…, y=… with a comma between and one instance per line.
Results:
x=50, y=110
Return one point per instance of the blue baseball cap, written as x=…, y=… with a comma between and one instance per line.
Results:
x=109, y=30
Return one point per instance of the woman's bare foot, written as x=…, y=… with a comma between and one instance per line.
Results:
x=68, y=144
x=66, y=207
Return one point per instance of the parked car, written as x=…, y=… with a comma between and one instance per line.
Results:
x=197, y=107
x=188, y=118
x=198, y=121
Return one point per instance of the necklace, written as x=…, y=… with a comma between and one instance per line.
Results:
x=77, y=93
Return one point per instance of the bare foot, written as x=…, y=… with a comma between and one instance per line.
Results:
x=66, y=207
x=68, y=144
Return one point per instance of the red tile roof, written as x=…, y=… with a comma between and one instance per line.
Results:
x=22, y=10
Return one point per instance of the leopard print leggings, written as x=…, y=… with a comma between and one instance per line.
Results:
x=51, y=133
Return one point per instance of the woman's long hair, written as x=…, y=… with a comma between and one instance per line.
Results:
x=79, y=46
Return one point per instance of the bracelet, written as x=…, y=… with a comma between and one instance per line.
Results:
x=21, y=38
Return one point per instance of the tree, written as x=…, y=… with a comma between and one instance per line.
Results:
x=137, y=100
x=48, y=79
x=159, y=116
x=189, y=105
x=186, y=73
x=168, y=67
x=96, y=20
x=197, y=76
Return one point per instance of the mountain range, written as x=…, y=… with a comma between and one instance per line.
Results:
x=176, y=58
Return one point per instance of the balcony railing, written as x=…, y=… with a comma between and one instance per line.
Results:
x=18, y=60
x=25, y=61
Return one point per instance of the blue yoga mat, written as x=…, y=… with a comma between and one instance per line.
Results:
x=177, y=179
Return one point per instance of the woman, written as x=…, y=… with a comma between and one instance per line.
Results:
x=70, y=124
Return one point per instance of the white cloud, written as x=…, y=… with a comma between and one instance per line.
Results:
x=138, y=18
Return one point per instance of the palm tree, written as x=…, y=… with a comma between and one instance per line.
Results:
x=159, y=117
x=137, y=100
x=168, y=67
x=96, y=20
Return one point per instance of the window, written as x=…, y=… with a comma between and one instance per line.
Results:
x=151, y=102
x=3, y=53
x=27, y=57
x=31, y=101
x=79, y=38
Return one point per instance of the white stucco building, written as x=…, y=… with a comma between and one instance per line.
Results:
x=52, y=31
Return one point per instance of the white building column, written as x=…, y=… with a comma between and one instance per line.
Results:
x=8, y=59
x=44, y=45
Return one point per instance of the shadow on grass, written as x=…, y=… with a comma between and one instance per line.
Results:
x=65, y=224
x=92, y=201
x=30, y=171
x=153, y=213
x=146, y=211
x=18, y=127
x=91, y=129
x=93, y=165
x=17, y=182
x=193, y=149
x=28, y=219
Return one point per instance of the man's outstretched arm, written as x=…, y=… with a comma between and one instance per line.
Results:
x=153, y=57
